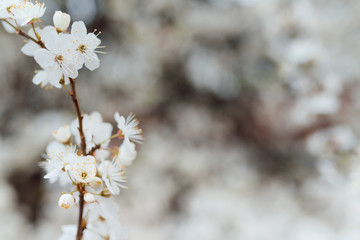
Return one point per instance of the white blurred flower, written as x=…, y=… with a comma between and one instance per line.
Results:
x=89, y=197
x=59, y=158
x=112, y=175
x=109, y=226
x=329, y=141
x=62, y=134
x=27, y=12
x=66, y=201
x=129, y=127
x=61, y=21
x=69, y=233
x=95, y=130
x=127, y=153
x=43, y=79
x=85, y=45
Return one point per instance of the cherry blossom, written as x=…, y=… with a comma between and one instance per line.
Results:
x=27, y=12
x=85, y=45
x=127, y=153
x=112, y=176
x=57, y=59
x=5, y=6
x=129, y=127
x=30, y=47
x=95, y=130
x=59, y=157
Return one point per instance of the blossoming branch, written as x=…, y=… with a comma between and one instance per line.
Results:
x=80, y=157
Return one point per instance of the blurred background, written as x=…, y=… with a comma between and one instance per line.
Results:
x=250, y=111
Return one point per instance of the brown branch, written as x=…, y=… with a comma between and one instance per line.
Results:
x=93, y=149
x=21, y=33
x=79, y=115
x=81, y=222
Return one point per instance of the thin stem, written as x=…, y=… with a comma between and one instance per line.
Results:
x=36, y=34
x=113, y=136
x=21, y=33
x=81, y=222
x=67, y=89
x=98, y=146
x=72, y=181
x=93, y=149
x=79, y=115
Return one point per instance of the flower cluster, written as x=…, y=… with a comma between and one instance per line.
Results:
x=97, y=175
x=60, y=53
x=102, y=170
x=80, y=157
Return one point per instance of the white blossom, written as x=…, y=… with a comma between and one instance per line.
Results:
x=129, y=127
x=66, y=201
x=111, y=227
x=27, y=12
x=112, y=176
x=45, y=80
x=61, y=20
x=85, y=45
x=5, y=6
x=83, y=168
x=58, y=58
x=69, y=232
x=57, y=163
x=95, y=130
x=41, y=78
x=31, y=47
x=62, y=134
x=127, y=153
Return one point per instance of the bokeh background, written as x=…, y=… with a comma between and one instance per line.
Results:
x=250, y=111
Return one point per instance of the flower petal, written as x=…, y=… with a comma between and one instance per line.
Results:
x=78, y=30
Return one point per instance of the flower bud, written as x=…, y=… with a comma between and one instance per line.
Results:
x=89, y=197
x=62, y=134
x=66, y=201
x=61, y=21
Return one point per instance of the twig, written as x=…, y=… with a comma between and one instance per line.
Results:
x=79, y=115
x=93, y=149
x=81, y=222
x=21, y=33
